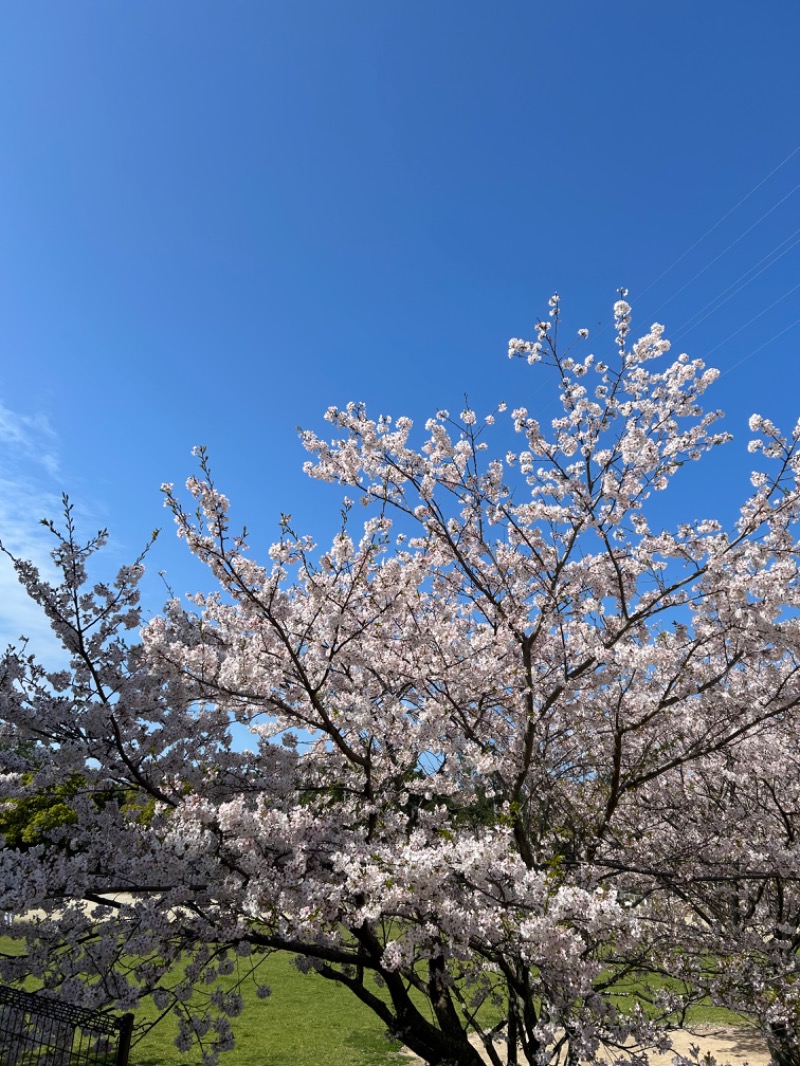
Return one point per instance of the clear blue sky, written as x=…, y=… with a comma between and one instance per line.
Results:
x=218, y=218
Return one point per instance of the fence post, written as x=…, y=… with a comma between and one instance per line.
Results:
x=125, y=1031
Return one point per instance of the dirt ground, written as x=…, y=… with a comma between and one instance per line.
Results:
x=728, y=1045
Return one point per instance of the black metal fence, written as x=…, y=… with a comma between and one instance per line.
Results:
x=38, y=1031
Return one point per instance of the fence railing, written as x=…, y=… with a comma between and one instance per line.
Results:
x=36, y=1030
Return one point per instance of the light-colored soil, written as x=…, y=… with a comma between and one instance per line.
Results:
x=725, y=1043
x=735, y=1046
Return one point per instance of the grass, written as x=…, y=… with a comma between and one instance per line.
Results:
x=625, y=994
x=308, y=1022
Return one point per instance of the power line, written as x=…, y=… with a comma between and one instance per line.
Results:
x=719, y=222
x=691, y=324
x=755, y=351
x=718, y=300
x=751, y=321
x=731, y=245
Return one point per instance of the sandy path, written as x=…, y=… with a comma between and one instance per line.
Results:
x=728, y=1045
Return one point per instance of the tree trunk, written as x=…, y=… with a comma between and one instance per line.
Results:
x=783, y=1044
x=436, y=1048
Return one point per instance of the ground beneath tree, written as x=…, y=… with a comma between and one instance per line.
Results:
x=727, y=1044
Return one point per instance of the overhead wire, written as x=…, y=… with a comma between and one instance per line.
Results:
x=740, y=283
x=755, y=318
x=744, y=279
x=755, y=351
x=719, y=222
x=725, y=251
x=690, y=324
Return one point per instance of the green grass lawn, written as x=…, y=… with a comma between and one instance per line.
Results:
x=307, y=1021
x=627, y=993
x=310, y=1022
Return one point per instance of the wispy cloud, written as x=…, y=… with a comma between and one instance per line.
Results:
x=28, y=437
x=29, y=491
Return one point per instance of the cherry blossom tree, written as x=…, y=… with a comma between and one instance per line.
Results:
x=729, y=853
x=725, y=853
x=503, y=736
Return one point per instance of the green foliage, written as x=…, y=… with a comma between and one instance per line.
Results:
x=36, y=819
x=41, y=817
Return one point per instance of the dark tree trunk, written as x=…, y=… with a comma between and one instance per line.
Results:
x=783, y=1044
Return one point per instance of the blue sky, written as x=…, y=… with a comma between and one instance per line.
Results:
x=216, y=219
